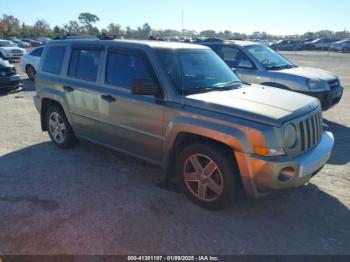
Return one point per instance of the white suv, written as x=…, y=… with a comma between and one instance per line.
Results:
x=9, y=50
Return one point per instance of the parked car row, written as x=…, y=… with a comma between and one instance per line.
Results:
x=29, y=42
x=181, y=107
x=326, y=44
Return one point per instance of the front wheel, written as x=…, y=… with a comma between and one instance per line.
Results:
x=208, y=175
x=59, y=128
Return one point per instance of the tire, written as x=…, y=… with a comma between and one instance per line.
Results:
x=59, y=129
x=212, y=190
x=345, y=50
x=30, y=71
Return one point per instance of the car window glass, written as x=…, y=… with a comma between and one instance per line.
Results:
x=233, y=56
x=122, y=69
x=54, y=59
x=37, y=52
x=84, y=64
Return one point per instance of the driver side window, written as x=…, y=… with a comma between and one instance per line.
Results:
x=235, y=58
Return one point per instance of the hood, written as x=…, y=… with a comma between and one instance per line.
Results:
x=309, y=72
x=263, y=104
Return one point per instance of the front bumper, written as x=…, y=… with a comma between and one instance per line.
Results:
x=328, y=99
x=10, y=82
x=260, y=175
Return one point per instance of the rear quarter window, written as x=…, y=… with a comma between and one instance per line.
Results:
x=54, y=59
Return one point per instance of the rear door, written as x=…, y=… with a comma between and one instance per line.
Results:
x=132, y=123
x=82, y=89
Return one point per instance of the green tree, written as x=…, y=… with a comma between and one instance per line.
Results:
x=9, y=26
x=41, y=28
x=115, y=29
x=208, y=33
x=73, y=27
x=144, y=31
x=88, y=19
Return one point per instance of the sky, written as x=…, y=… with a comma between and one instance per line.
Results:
x=279, y=17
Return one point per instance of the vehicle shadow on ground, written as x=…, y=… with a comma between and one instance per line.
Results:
x=341, y=151
x=119, y=197
x=28, y=85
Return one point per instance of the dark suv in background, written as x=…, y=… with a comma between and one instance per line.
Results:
x=257, y=63
x=287, y=45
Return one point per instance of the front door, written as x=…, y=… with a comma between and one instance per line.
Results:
x=131, y=123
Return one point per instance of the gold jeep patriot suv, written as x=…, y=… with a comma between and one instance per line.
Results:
x=181, y=107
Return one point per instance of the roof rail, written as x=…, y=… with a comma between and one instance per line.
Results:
x=101, y=37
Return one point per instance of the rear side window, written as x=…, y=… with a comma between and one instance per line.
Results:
x=37, y=52
x=54, y=59
x=232, y=56
x=122, y=69
x=84, y=64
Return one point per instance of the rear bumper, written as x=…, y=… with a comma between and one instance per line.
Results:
x=261, y=175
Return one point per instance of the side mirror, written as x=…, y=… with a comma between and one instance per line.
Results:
x=246, y=64
x=145, y=87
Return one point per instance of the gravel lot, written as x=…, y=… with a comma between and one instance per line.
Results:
x=91, y=200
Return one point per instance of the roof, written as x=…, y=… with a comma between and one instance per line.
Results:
x=230, y=42
x=133, y=43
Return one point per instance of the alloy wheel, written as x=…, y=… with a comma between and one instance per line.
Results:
x=57, y=127
x=203, y=177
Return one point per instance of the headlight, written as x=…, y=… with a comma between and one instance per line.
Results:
x=290, y=135
x=315, y=85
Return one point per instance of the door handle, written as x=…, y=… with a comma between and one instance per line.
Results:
x=108, y=98
x=68, y=88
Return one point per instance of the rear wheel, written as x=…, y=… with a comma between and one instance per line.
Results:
x=59, y=128
x=208, y=176
x=30, y=72
x=346, y=50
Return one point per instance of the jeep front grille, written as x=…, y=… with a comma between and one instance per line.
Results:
x=310, y=130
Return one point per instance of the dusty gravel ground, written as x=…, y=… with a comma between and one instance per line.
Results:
x=90, y=200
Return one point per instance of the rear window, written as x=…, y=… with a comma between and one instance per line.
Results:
x=84, y=64
x=54, y=59
x=37, y=52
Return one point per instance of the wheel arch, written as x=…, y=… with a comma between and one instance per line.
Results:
x=46, y=102
x=229, y=139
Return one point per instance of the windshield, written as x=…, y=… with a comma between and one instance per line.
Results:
x=269, y=58
x=7, y=44
x=197, y=70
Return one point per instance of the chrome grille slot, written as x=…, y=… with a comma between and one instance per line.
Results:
x=310, y=130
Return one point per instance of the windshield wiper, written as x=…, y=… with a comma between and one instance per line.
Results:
x=218, y=87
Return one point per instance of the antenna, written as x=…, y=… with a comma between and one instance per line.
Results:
x=182, y=22
x=182, y=78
